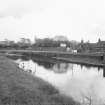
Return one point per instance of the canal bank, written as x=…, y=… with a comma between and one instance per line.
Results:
x=83, y=61
x=20, y=88
x=94, y=59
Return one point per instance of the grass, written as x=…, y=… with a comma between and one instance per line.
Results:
x=19, y=88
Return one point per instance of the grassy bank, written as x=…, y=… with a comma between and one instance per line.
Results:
x=19, y=88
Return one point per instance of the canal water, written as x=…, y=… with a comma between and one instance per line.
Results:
x=85, y=84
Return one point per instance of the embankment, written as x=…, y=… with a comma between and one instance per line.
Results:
x=86, y=59
x=20, y=88
x=95, y=59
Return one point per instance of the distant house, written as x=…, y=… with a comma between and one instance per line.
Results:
x=92, y=47
x=62, y=40
x=101, y=46
x=98, y=47
x=63, y=45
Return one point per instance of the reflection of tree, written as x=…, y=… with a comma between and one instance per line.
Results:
x=58, y=66
x=99, y=68
x=43, y=62
x=61, y=67
x=26, y=58
x=46, y=65
x=81, y=66
x=66, y=66
x=104, y=71
x=16, y=57
x=13, y=57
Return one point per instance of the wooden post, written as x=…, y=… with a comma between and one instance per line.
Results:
x=104, y=58
x=104, y=64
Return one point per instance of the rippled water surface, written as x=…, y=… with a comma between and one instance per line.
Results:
x=85, y=84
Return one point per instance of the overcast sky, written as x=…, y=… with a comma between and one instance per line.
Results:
x=76, y=19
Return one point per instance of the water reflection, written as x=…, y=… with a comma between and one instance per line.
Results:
x=46, y=65
x=84, y=84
